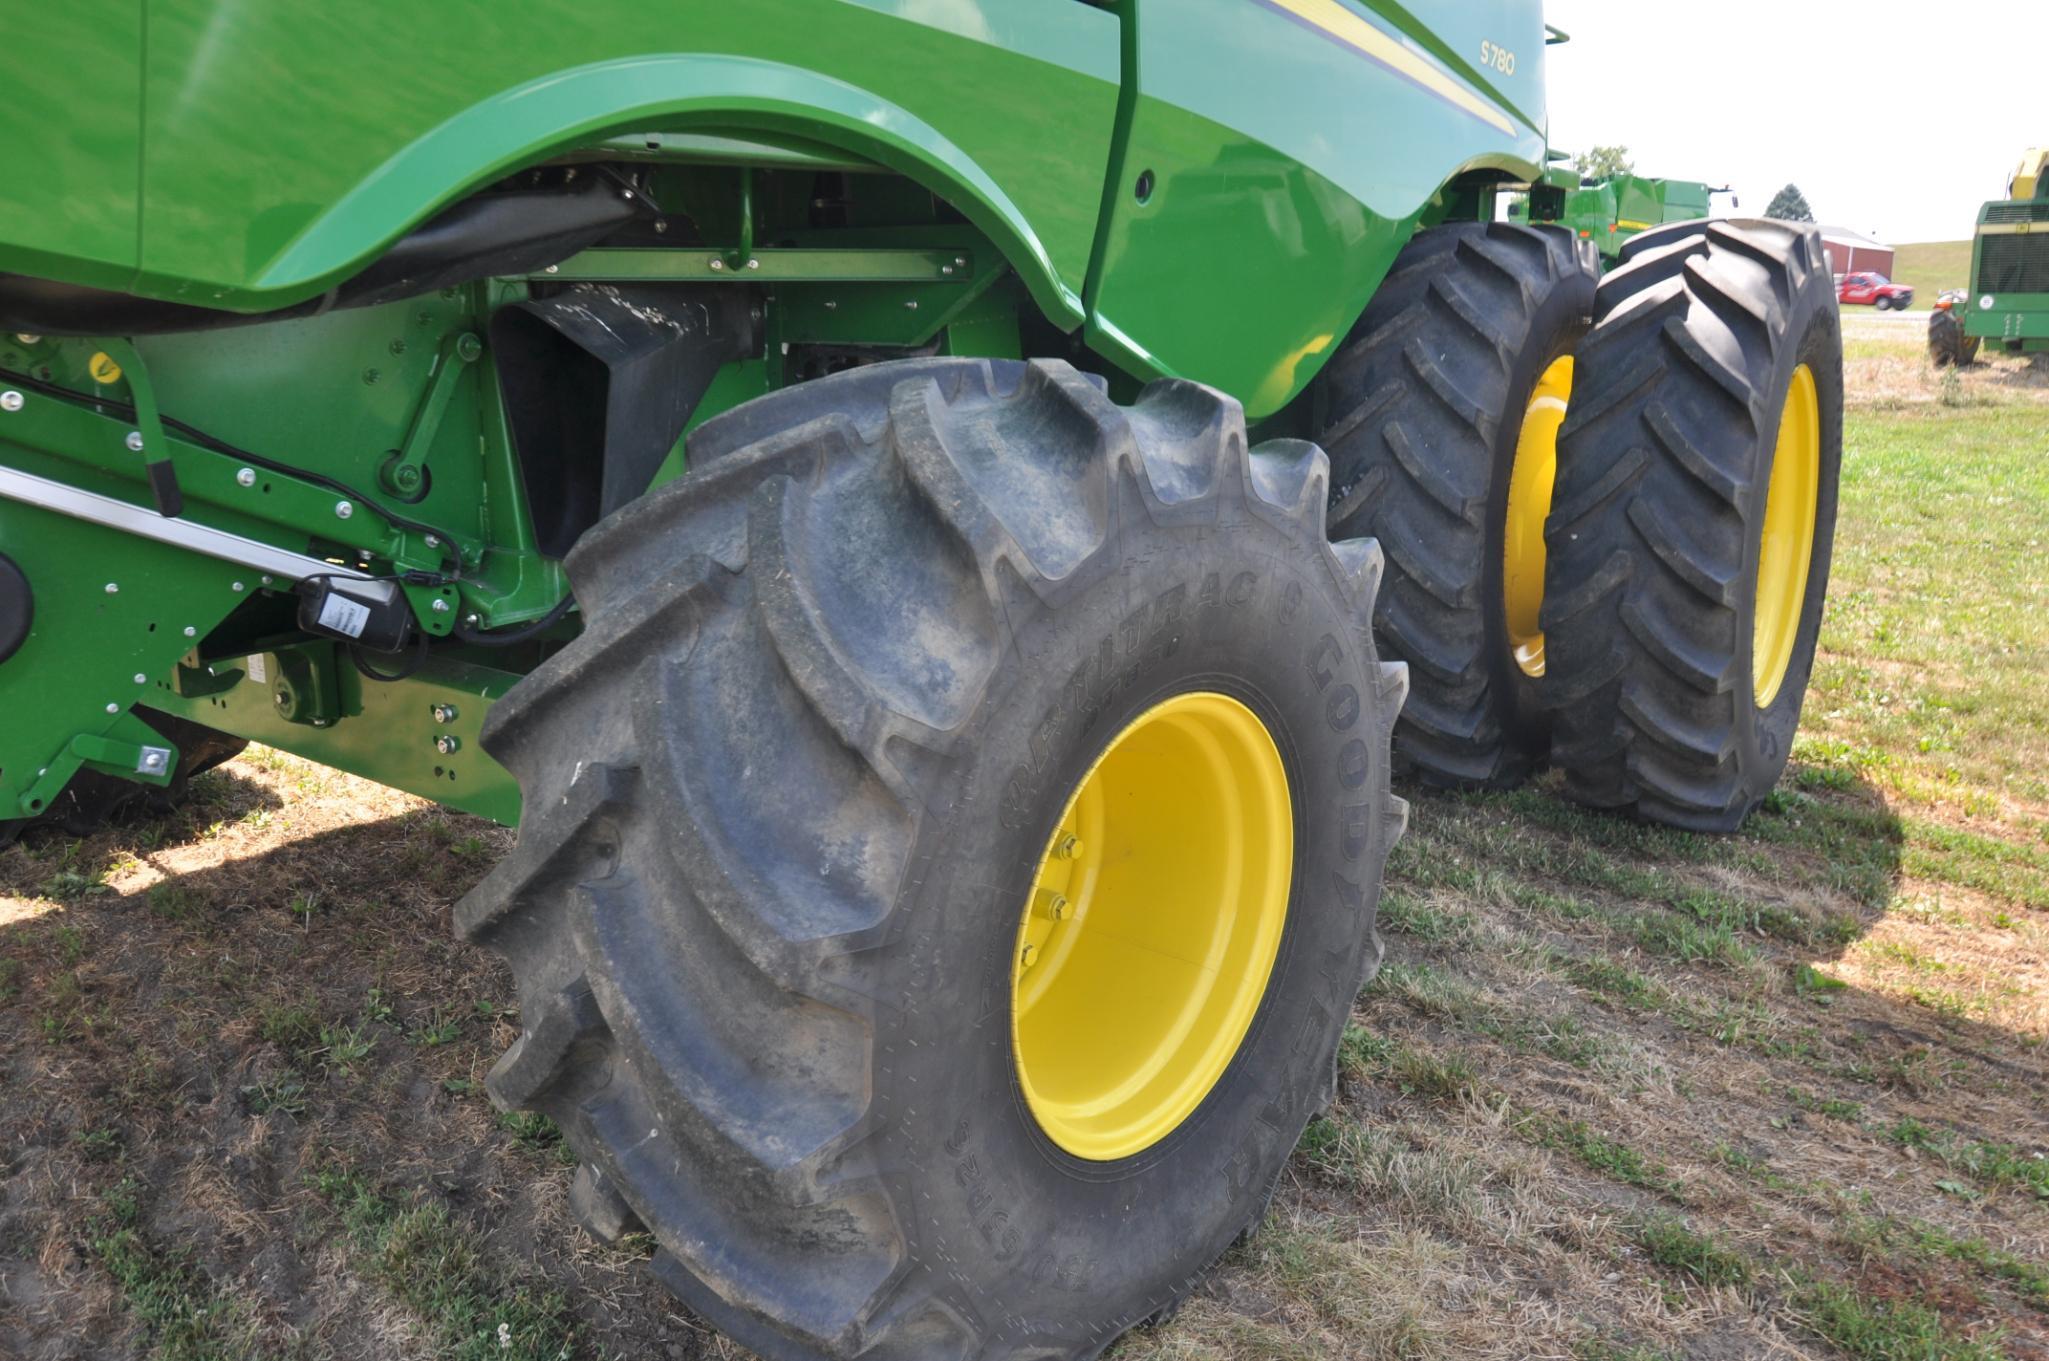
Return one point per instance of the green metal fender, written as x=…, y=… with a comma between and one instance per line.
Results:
x=725, y=95
x=288, y=144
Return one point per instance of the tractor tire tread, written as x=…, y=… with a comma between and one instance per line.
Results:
x=1416, y=404
x=697, y=1010
x=1658, y=501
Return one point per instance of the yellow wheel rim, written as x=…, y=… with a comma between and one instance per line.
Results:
x=1530, y=482
x=1151, y=927
x=1787, y=545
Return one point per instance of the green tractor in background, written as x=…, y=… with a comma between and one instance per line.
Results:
x=925, y=516
x=2007, y=303
x=1610, y=212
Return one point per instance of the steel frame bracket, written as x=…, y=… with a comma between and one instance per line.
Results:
x=405, y=474
x=129, y=748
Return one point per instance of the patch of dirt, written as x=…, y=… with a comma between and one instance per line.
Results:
x=222, y=1004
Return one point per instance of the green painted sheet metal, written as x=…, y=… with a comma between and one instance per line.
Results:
x=71, y=129
x=2017, y=319
x=1498, y=45
x=389, y=732
x=2009, y=302
x=289, y=143
x=335, y=396
x=111, y=614
x=1250, y=224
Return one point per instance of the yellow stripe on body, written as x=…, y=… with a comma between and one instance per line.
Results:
x=1347, y=27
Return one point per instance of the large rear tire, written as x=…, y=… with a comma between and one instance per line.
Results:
x=1694, y=520
x=1440, y=416
x=822, y=785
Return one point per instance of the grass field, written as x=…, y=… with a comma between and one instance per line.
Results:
x=1931, y=266
x=1619, y=1094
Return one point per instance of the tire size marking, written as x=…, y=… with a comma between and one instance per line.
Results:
x=1071, y=1272
x=994, y=1226
x=1342, y=709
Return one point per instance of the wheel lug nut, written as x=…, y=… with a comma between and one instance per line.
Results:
x=1030, y=956
x=1048, y=903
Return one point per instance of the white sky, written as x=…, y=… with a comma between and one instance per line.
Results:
x=1896, y=118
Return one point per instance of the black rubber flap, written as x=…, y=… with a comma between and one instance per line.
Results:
x=599, y=382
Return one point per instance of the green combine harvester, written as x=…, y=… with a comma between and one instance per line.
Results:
x=1610, y=212
x=2007, y=304
x=925, y=516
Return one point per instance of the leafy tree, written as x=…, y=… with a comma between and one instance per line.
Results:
x=1603, y=162
x=1790, y=205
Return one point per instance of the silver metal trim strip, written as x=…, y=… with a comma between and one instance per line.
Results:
x=145, y=523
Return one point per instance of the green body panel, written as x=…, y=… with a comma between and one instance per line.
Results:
x=884, y=177
x=70, y=87
x=111, y=618
x=2009, y=301
x=1274, y=213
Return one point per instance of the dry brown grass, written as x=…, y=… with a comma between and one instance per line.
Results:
x=1886, y=367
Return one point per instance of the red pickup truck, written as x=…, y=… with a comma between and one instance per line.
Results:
x=1881, y=292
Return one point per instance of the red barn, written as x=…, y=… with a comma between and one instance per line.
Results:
x=1848, y=250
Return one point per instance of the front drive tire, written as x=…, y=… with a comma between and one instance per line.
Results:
x=1694, y=519
x=794, y=800
x=1439, y=415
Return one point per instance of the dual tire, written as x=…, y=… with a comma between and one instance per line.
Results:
x=1424, y=413
x=1686, y=504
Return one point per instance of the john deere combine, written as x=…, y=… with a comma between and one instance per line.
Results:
x=2007, y=305
x=925, y=515
x=1609, y=212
